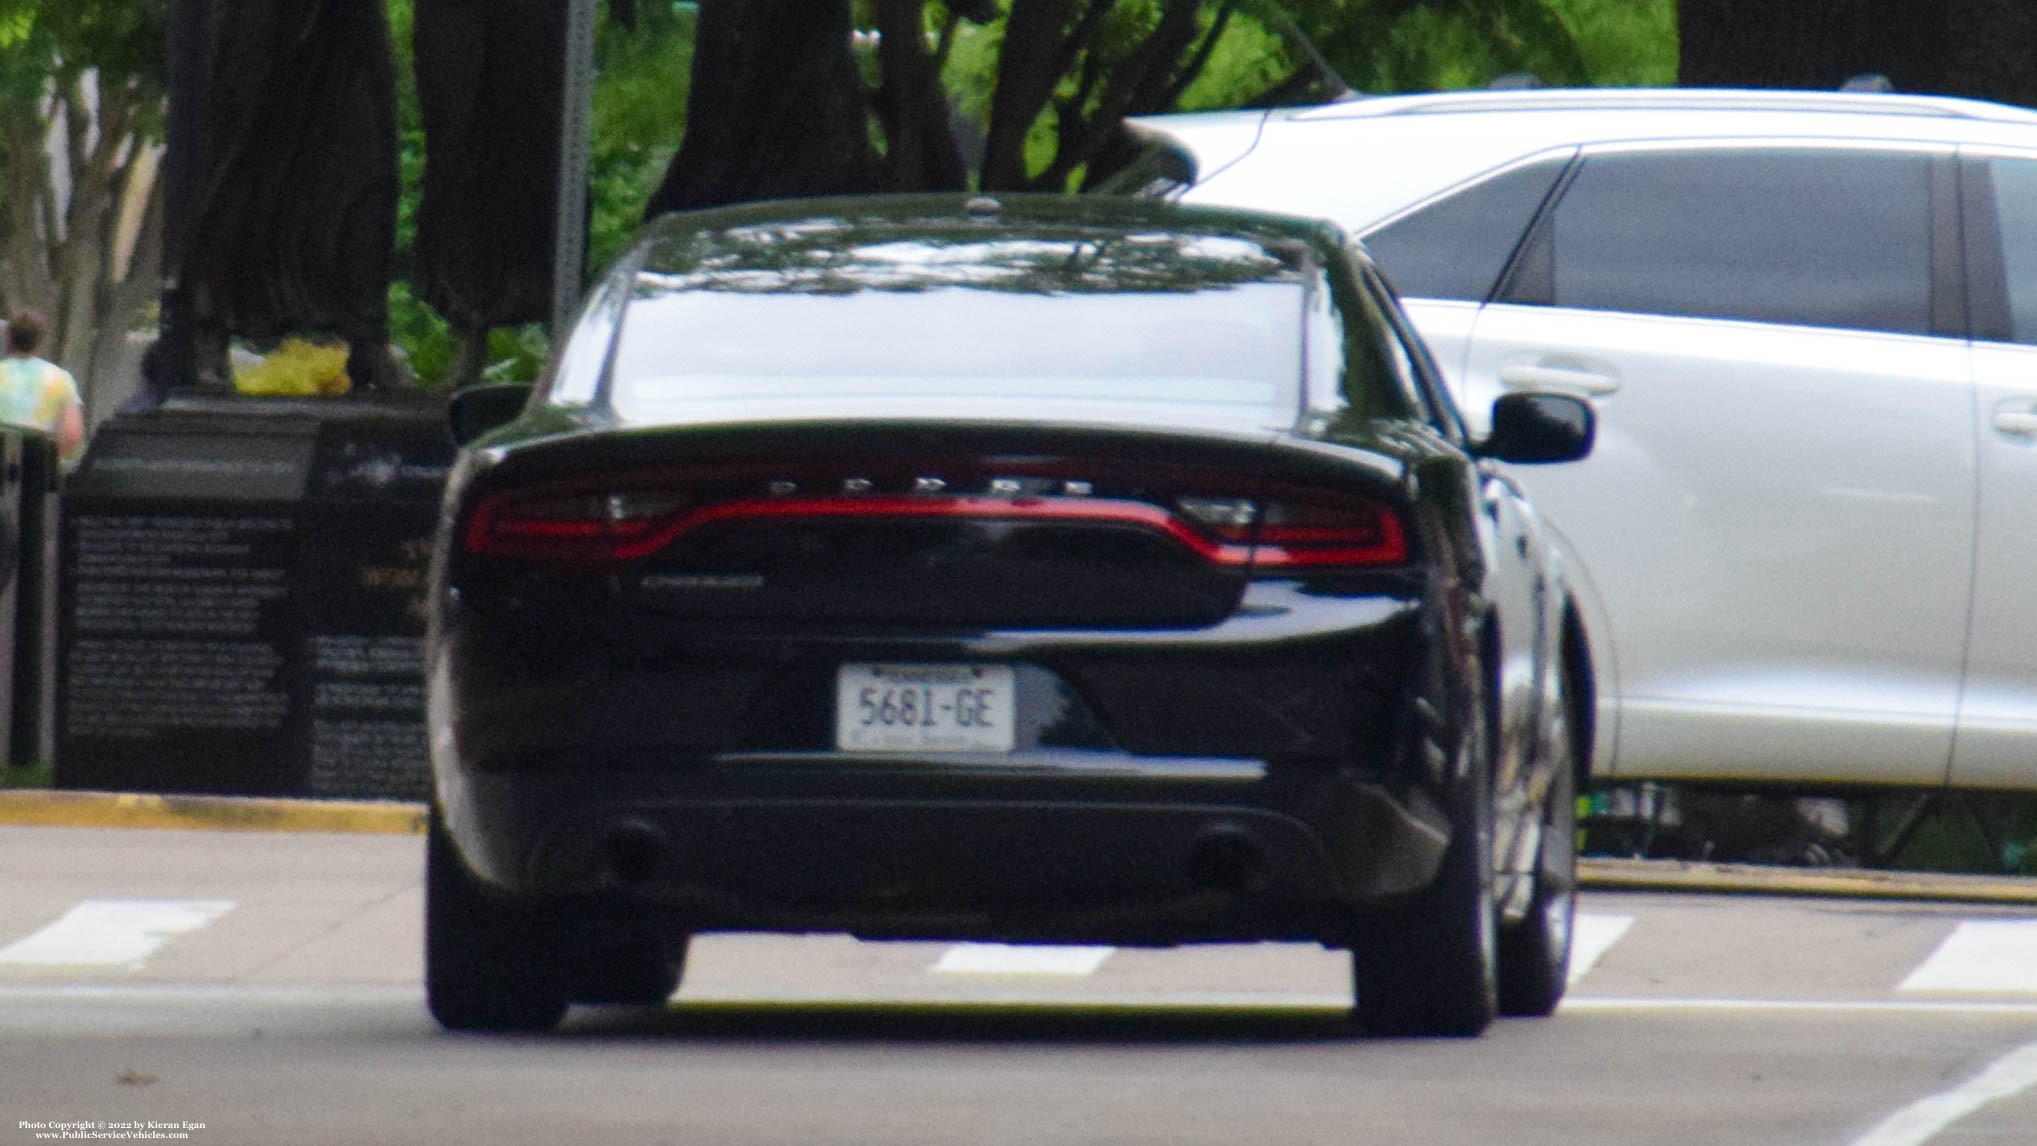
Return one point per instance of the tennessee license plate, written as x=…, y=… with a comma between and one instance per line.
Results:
x=923, y=708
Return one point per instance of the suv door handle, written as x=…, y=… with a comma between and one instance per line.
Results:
x=1524, y=376
x=2016, y=421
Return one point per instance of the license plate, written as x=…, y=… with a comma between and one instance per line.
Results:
x=923, y=708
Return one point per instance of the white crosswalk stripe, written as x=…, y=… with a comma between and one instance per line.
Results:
x=112, y=932
x=1925, y=1119
x=1591, y=936
x=1002, y=959
x=1984, y=955
x=1983, y=959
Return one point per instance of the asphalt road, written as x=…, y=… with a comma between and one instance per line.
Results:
x=264, y=985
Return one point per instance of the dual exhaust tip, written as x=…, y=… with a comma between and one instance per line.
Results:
x=632, y=854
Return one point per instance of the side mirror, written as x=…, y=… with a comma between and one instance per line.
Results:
x=1538, y=428
x=478, y=409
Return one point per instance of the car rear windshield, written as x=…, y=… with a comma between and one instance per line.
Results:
x=1113, y=327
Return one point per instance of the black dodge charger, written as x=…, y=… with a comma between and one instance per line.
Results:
x=1028, y=570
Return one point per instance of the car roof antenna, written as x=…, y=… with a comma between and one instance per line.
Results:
x=1868, y=82
x=1515, y=82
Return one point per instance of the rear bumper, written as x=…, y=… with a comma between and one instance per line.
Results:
x=1269, y=776
x=1153, y=851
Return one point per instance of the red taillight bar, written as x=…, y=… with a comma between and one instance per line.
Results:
x=492, y=532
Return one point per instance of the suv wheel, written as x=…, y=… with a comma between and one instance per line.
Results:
x=489, y=963
x=1534, y=954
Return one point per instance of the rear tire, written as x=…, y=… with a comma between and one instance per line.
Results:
x=1534, y=954
x=632, y=973
x=1431, y=968
x=490, y=964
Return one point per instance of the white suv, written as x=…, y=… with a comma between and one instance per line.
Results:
x=1806, y=543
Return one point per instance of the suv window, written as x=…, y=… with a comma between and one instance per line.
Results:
x=1812, y=237
x=1457, y=246
x=2015, y=207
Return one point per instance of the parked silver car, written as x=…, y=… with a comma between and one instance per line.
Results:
x=1807, y=540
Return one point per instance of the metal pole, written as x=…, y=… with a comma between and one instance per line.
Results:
x=576, y=96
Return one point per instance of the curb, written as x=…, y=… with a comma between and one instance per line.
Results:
x=22, y=807
x=1603, y=874
x=35, y=807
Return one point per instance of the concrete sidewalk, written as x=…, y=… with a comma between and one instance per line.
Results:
x=49, y=808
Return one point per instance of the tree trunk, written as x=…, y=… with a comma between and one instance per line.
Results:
x=25, y=281
x=130, y=295
x=1137, y=84
x=63, y=250
x=919, y=145
x=775, y=108
x=1027, y=70
x=98, y=153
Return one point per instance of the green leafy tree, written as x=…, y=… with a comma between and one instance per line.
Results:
x=80, y=212
x=1028, y=94
x=1002, y=93
x=956, y=93
x=1625, y=43
x=1387, y=46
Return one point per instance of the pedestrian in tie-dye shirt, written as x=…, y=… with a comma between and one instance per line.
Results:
x=37, y=394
